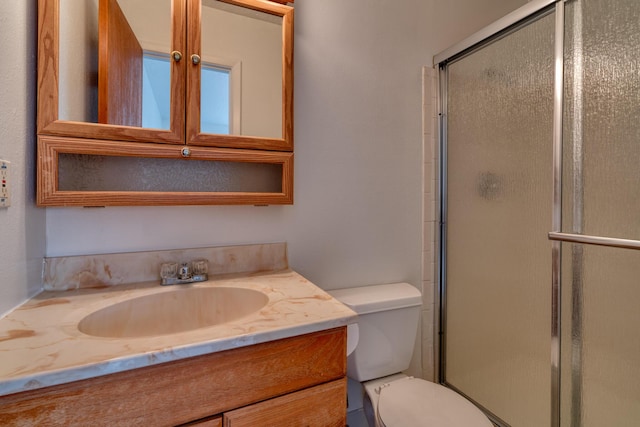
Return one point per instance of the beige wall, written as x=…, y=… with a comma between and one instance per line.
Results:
x=451, y=21
x=358, y=210
x=22, y=225
x=358, y=169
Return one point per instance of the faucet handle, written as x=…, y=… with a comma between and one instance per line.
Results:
x=169, y=270
x=200, y=266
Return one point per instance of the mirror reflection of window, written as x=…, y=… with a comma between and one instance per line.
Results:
x=156, y=72
x=215, y=111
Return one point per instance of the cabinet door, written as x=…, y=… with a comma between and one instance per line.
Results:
x=320, y=406
x=240, y=74
x=153, y=98
x=84, y=88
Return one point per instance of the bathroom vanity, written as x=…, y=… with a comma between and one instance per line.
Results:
x=293, y=381
x=283, y=362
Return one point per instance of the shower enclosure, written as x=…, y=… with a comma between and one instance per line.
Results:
x=540, y=215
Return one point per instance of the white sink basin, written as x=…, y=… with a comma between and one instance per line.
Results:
x=179, y=310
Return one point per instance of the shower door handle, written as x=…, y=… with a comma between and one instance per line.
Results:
x=594, y=240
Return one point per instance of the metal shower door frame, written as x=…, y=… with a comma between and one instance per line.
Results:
x=502, y=28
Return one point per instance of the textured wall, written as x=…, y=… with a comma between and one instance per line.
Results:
x=22, y=225
x=357, y=213
x=357, y=217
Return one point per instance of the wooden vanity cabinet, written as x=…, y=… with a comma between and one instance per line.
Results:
x=298, y=381
x=322, y=405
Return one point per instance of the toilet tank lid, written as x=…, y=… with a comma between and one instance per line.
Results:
x=370, y=299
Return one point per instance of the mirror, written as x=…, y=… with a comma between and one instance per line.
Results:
x=242, y=55
x=112, y=67
x=116, y=68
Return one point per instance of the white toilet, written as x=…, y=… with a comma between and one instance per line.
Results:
x=388, y=318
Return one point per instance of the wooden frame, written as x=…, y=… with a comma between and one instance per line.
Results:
x=48, y=85
x=49, y=194
x=185, y=84
x=194, y=45
x=57, y=136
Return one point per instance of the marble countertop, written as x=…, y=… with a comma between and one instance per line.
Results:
x=40, y=344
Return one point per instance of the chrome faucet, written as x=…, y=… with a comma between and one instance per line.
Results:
x=187, y=272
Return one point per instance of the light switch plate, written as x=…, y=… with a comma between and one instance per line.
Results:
x=5, y=196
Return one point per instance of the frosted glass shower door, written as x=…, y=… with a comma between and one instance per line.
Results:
x=497, y=268
x=601, y=198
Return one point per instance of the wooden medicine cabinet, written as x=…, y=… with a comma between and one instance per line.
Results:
x=165, y=102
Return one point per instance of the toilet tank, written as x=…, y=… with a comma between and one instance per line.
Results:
x=388, y=318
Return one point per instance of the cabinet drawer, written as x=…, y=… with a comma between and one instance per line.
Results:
x=320, y=406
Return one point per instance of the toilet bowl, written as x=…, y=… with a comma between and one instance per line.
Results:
x=386, y=329
x=404, y=401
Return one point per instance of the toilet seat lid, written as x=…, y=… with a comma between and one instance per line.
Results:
x=417, y=403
